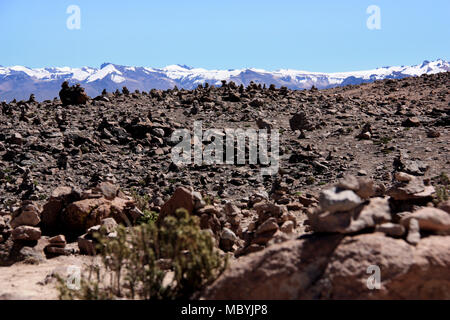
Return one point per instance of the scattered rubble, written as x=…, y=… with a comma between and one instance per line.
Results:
x=359, y=183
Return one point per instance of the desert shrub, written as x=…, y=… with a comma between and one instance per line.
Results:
x=442, y=185
x=143, y=204
x=147, y=217
x=441, y=194
x=169, y=261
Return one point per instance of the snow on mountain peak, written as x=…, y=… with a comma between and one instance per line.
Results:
x=109, y=69
x=113, y=77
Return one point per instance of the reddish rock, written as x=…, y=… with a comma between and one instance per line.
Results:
x=445, y=205
x=333, y=267
x=430, y=219
x=51, y=213
x=29, y=217
x=182, y=198
x=26, y=233
x=81, y=215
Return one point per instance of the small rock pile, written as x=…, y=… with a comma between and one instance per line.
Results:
x=73, y=95
x=41, y=232
x=354, y=229
x=273, y=222
x=57, y=247
x=240, y=228
x=348, y=208
x=87, y=243
x=76, y=211
x=212, y=217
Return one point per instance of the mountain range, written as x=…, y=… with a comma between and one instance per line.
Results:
x=18, y=82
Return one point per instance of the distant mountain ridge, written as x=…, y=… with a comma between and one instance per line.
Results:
x=19, y=82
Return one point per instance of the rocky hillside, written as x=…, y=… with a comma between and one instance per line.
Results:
x=363, y=180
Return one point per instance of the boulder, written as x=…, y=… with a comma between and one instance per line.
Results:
x=338, y=200
x=287, y=227
x=409, y=188
x=266, y=210
x=264, y=124
x=86, y=245
x=363, y=187
x=26, y=233
x=367, y=215
x=411, y=122
x=429, y=219
x=51, y=213
x=108, y=190
x=227, y=239
x=108, y=225
x=445, y=205
x=333, y=267
x=270, y=225
x=81, y=215
x=182, y=198
x=280, y=271
x=28, y=216
x=58, y=241
x=391, y=229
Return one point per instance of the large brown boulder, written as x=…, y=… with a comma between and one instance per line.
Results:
x=27, y=215
x=181, y=199
x=281, y=271
x=26, y=233
x=51, y=213
x=81, y=215
x=334, y=267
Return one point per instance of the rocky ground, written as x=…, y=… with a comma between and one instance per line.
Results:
x=363, y=180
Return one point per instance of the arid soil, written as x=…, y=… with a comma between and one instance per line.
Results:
x=372, y=131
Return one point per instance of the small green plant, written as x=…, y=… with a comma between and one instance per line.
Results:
x=142, y=202
x=383, y=140
x=442, y=186
x=443, y=179
x=43, y=197
x=130, y=270
x=441, y=194
x=310, y=180
x=208, y=200
x=148, y=217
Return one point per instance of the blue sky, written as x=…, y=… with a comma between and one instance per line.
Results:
x=320, y=35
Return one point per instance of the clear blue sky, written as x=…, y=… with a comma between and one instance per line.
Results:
x=310, y=35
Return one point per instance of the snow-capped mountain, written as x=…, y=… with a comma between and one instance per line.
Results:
x=19, y=82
